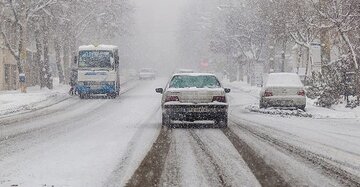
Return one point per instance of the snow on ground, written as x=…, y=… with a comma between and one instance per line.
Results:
x=189, y=156
x=14, y=102
x=330, y=135
x=250, y=102
x=87, y=144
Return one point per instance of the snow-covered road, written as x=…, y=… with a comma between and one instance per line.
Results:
x=306, y=151
x=257, y=149
x=82, y=142
x=99, y=142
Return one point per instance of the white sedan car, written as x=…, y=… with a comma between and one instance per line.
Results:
x=192, y=97
x=147, y=73
x=283, y=90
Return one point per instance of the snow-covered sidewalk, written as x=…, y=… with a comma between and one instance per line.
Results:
x=249, y=100
x=15, y=102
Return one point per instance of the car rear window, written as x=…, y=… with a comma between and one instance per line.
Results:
x=284, y=80
x=200, y=81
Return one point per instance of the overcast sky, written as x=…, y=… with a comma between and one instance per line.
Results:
x=155, y=31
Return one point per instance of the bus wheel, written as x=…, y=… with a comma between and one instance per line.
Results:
x=111, y=95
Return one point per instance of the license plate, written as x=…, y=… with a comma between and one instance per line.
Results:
x=286, y=102
x=201, y=109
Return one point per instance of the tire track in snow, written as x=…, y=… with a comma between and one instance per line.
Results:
x=264, y=173
x=326, y=167
x=220, y=177
x=150, y=170
x=119, y=174
x=46, y=110
x=297, y=138
x=9, y=144
x=23, y=140
x=171, y=175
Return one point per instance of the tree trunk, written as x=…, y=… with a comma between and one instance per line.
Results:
x=38, y=56
x=283, y=57
x=74, y=51
x=308, y=60
x=47, y=75
x=57, y=49
x=66, y=57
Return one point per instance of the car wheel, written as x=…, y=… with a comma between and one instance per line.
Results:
x=113, y=96
x=221, y=121
x=82, y=96
x=166, y=120
x=302, y=108
x=262, y=104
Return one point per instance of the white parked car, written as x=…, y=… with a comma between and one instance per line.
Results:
x=195, y=97
x=185, y=71
x=147, y=73
x=283, y=90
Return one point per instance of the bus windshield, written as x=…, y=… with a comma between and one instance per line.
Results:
x=95, y=59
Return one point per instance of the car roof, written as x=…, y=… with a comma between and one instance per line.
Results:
x=195, y=74
x=147, y=69
x=185, y=70
x=98, y=47
x=283, y=79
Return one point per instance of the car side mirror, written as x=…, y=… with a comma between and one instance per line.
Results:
x=227, y=90
x=159, y=90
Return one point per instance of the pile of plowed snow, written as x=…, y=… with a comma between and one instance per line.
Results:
x=279, y=111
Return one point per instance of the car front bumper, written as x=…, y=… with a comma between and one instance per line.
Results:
x=192, y=112
x=98, y=89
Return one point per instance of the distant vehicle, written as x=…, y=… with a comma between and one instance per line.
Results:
x=98, y=71
x=192, y=97
x=147, y=73
x=185, y=71
x=283, y=90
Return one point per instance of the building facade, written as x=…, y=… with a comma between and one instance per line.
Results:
x=8, y=70
x=9, y=74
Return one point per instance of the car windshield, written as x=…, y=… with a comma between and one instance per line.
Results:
x=95, y=59
x=189, y=81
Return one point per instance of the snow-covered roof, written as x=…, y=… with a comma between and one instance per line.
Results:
x=283, y=80
x=98, y=47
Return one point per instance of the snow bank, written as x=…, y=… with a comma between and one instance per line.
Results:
x=279, y=111
x=15, y=102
